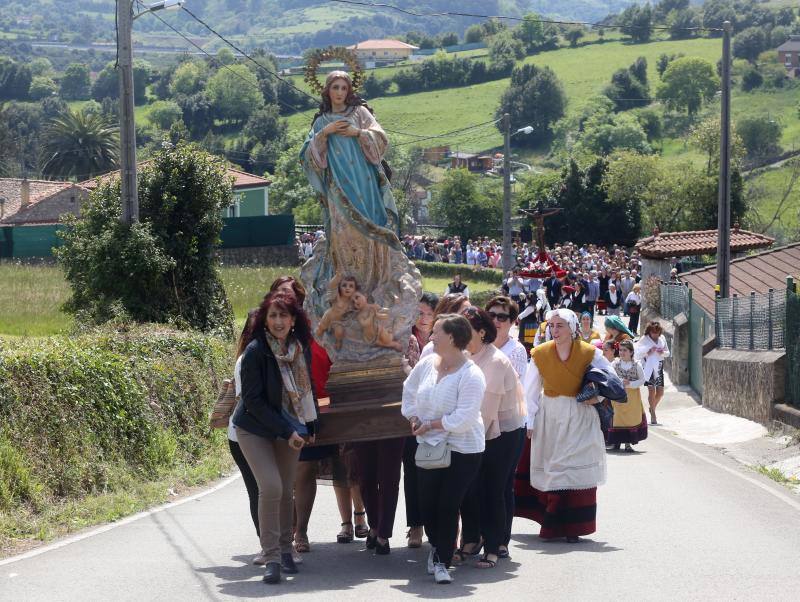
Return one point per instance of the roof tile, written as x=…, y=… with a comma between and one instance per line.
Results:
x=698, y=242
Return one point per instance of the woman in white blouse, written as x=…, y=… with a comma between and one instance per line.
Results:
x=442, y=400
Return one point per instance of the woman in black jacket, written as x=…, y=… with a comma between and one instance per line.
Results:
x=277, y=417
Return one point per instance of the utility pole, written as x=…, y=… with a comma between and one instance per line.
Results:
x=724, y=209
x=508, y=261
x=127, y=130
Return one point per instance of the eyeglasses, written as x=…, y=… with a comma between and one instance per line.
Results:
x=500, y=317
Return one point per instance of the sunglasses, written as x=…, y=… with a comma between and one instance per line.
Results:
x=500, y=317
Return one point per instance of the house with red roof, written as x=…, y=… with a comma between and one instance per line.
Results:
x=372, y=52
x=25, y=202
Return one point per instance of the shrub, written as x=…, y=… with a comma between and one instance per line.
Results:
x=83, y=415
x=469, y=273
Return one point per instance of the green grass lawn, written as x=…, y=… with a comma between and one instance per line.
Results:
x=773, y=183
x=31, y=296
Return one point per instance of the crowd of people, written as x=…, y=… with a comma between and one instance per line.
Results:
x=495, y=429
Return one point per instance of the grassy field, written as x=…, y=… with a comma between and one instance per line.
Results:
x=772, y=184
x=32, y=295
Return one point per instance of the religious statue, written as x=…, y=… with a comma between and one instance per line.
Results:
x=342, y=158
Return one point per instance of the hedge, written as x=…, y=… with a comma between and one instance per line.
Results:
x=80, y=415
x=468, y=273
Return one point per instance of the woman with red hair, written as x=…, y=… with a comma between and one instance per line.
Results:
x=277, y=417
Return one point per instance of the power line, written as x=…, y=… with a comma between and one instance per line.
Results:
x=449, y=134
x=513, y=18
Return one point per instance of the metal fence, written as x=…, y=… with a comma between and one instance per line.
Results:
x=755, y=322
x=792, y=342
x=674, y=300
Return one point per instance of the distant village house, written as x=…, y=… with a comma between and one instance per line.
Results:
x=374, y=52
x=789, y=55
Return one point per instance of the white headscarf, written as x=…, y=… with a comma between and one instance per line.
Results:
x=567, y=315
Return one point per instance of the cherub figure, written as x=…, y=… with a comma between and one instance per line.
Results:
x=342, y=290
x=370, y=316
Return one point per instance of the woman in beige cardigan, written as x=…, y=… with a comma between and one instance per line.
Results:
x=483, y=511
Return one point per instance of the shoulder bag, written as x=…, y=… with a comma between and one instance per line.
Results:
x=224, y=406
x=431, y=457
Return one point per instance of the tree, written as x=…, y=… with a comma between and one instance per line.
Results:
x=663, y=62
x=535, y=98
x=198, y=113
x=504, y=51
x=290, y=188
x=188, y=78
x=683, y=24
x=449, y=39
x=41, y=66
x=460, y=205
x=107, y=83
x=163, y=268
x=574, y=34
x=42, y=87
x=748, y=44
x=234, y=93
x=375, y=87
x=474, y=34
x=620, y=132
x=705, y=137
x=687, y=83
x=75, y=83
x=751, y=79
x=581, y=192
x=80, y=145
x=779, y=35
x=629, y=88
x=761, y=135
x=637, y=22
x=225, y=56
x=15, y=79
x=163, y=113
x=665, y=7
x=715, y=13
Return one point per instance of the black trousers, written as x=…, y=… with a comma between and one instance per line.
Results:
x=441, y=492
x=411, y=484
x=249, y=480
x=510, y=497
x=633, y=322
x=485, y=507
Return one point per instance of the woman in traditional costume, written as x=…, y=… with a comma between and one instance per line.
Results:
x=616, y=331
x=587, y=333
x=568, y=456
x=630, y=423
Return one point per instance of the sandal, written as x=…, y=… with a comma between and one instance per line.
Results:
x=485, y=563
x=503, y=552
x=415, y=540
x=301, y=544
x=460, y=556
x=361, y=530
x=346, y=534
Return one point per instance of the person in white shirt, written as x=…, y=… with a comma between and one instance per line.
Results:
x=516, y=285
x=442, y=400
x=651, y=351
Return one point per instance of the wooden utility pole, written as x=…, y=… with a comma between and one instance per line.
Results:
x=508, y=260
x=724, y=209
x=127, y=130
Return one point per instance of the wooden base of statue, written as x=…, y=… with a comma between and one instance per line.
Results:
x=364, y=403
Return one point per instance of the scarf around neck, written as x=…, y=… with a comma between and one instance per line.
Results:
x=296, y=380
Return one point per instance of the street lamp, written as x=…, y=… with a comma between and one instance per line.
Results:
x=508, y=261
x=127, y=127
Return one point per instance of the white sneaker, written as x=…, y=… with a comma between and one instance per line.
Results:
x=431, y=568
x=440, y=574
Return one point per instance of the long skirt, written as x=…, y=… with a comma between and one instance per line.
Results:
x=564, y=513
x=630, y=423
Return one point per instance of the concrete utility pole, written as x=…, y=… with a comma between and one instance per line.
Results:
x=127, y=129
x=508, y=260
x=724, y=210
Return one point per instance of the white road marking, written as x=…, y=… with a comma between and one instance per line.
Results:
x=105, y=528
x=781, y=496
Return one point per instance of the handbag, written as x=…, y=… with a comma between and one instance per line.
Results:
x=224, y=406
x=431, y=457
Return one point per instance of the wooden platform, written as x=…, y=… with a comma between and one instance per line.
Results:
x=356, y=421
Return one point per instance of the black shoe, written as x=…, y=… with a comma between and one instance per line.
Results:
x=272, y=572
x=288, y=565
x=573, y=539
x=381, y=549
x=372, y=540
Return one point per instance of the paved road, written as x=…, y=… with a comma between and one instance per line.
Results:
x=676, y=521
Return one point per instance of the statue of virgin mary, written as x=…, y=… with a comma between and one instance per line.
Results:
x=342, y=159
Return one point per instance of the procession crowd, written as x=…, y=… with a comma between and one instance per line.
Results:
x=499, y=426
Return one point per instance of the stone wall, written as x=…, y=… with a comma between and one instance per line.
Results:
x=272, y=255
x=744, y=383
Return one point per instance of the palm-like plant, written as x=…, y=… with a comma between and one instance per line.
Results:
x=80, y=145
